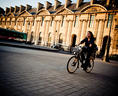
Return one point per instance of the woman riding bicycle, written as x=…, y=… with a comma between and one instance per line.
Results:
x=88, y=48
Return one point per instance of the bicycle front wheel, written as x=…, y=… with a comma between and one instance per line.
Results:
x=72, y=64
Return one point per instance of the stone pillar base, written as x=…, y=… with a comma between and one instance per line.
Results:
x=36, y=43
x=42, y=43
x=66, y=48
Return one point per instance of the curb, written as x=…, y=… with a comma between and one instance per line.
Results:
x=28, y=47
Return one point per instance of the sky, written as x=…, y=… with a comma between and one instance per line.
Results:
x=33, y=3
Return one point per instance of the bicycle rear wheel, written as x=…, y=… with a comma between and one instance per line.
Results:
x=72, y=64
x=90, y=68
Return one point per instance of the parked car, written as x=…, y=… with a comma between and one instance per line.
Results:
x=58, y=46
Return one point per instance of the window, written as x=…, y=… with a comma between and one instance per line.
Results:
x=51, y=21
x=91, y=21
x=76, y=18
x=42, y=21
x=33, y=21
x=15, y=21
x=109, y=20
x=62, y=21
x=24, y=22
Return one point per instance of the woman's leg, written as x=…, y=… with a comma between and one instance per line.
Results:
x=87, y=63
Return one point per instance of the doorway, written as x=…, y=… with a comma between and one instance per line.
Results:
x=73, y=40
x=104, y=45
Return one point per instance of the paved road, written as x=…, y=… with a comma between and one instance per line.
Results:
x=25, y=72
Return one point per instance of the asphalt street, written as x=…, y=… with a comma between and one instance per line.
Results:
x=26, y=72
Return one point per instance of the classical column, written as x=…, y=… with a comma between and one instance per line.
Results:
x=26, y=26
x=79, y=32
x=47, y=33
x=37, y=32
x=43, y=34
x=16, y=25
x=69, y=33
x=84, y=27
x=54, y=31
x=96, y=28
x=100, y=34
x=66, y=30
x=21, y=26
x=58, y=30
x=29, y=33
x=35, y=28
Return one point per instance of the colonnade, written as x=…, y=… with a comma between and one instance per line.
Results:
x=82, y=28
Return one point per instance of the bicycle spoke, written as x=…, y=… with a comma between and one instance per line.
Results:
x=72, y=64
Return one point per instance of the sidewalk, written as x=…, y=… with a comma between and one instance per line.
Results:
x=24, y=45
x=112, y=62
x=37, y=47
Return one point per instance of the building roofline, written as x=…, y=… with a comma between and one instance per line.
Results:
x=42, y=10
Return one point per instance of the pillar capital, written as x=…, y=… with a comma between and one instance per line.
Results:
x=67, y=20
x=71, y=20
x=84, y=20
x=101, y=19
x=97, y=20
x=38, y=20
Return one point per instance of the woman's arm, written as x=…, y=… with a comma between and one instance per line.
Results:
x=84, y=40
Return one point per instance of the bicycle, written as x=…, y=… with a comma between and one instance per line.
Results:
x=74, y=62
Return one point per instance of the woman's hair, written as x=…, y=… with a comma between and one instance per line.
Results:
x=91, y=34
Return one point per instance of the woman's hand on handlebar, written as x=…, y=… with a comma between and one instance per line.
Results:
x=78, y=44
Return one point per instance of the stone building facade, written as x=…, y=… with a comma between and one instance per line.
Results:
x=66, y=23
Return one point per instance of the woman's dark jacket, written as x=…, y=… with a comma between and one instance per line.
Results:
x=87, y=43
